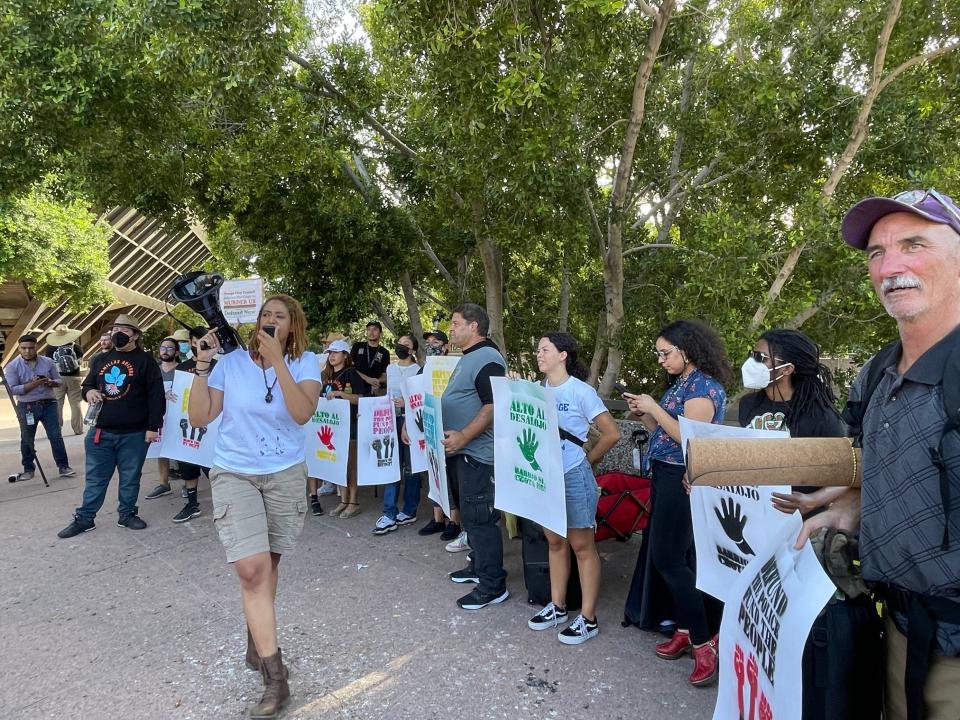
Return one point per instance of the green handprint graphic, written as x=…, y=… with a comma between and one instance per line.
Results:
x=528, y=446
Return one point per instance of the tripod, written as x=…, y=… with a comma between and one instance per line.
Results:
x=21, y=421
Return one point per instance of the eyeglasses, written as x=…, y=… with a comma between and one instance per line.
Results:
x=916, y=197
x=662, y=354
x=760, y=357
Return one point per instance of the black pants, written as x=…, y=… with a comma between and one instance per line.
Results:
x=671, y=539
x=479, y=518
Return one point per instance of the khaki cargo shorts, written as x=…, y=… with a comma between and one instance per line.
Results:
x=258, y=513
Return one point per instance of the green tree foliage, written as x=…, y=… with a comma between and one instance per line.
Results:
x=58, y=245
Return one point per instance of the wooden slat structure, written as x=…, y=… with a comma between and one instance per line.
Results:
x=145, y=257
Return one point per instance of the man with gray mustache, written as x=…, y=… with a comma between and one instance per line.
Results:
x=908, y=509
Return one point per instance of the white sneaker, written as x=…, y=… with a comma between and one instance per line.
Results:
x=384, y=525
x=327, y=488
x=404, y=519
x=458, y=545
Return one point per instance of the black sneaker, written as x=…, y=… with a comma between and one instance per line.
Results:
x=549, y=617
x=131, y=522
x=158, y=491
x=477, y=600
x=67, y=471
x=450, y=532
x=76, y=527
x=189, y=512
x=467, y=575
x=315, y=507
x=579, y=631
x=432, y=528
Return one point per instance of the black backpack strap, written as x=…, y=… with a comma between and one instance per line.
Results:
x=951, y=405
x=854, y=411
x=565, y=434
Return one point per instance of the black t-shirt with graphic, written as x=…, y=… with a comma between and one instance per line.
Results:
x=759, y=412
x=348, y=380
x=132, y=389
x=371, y=361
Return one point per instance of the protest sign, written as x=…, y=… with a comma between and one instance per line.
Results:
x=413, y=391
x=528, y=463
x=436, y=457
x=438, y=369
x=240, y=300
x=328, y=441
x=179, y=439
x=378, y=458
x=730, y=524
x=766, y=621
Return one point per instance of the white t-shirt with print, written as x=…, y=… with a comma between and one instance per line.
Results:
x=257, y=437
x=396, y=374
x=577, y=406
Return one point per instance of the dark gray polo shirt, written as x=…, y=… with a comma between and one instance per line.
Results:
x=902, y=516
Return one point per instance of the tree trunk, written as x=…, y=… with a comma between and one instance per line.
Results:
x=384, y=316
x=616, y=215
x=564, y=297
x=413, y=312
x=492, y=275
x=599, y=349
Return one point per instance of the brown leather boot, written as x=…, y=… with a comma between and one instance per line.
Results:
x=252, y=659
x=276, y=691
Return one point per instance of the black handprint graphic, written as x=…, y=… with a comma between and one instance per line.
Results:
x=183, y=427
x=202, y=431
x=418, y=420
x=733, y=522
x=378, y=448
x=388, y=444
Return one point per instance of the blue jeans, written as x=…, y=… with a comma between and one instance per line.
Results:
x=411, y=485
x=44, y=411
x=124, y=452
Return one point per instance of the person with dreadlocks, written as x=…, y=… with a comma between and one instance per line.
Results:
x=841, y=659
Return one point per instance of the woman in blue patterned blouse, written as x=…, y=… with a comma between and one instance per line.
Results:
x=696, y=365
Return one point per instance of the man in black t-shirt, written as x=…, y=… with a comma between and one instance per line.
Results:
x=370, y=359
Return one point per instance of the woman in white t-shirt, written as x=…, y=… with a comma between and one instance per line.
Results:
x=265, y=396
x=578, y=405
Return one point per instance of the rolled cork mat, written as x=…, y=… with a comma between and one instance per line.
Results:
x=819, y=462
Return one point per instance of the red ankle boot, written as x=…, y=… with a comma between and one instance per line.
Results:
x=705, y=664
x=675, y=646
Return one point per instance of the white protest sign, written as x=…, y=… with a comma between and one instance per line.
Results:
x=772, y=606
x=328, y=441
x=436, y=457
x=378, y=458
x=528, y=463
x=438, y=369
x=413, y=391
x=240, y=300
x=179, y=439
x=730, y=524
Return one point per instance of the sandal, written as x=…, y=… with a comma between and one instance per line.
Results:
x=346, y=514
x=339, y=509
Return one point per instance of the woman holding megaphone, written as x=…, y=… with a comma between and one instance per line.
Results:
x=265, y=396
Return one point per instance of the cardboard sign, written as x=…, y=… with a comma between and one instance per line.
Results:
x=772, y=606
x=179, y=440
x=378, y=453
x=528, y=464
x=438, y=369
x=414, y=390
x=240, y=300
x=328, y=441
x=436, y=457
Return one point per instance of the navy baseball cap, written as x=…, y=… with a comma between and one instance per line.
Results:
x=928, y=204
x=439, y=334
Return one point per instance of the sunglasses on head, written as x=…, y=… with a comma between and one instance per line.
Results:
x=916, y=197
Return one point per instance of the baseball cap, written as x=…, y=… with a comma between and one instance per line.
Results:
x=338, y=346
x=927, y=204
x=438, y=334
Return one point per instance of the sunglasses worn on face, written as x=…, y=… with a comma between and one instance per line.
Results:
x=760, y=357
x=916, y=197
x=662, y=354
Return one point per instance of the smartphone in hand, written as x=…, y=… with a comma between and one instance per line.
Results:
x=270, y=330
x=621, y=388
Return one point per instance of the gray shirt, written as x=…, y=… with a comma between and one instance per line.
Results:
x=902, y=516
x=19, y=372
x=466, y=394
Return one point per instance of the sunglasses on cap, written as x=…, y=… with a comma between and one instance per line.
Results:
x=917, y=197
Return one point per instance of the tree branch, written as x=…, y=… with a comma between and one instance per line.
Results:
x=612, y=125
x=926, y=57
x=808, y=312
x=367, y=117
x=384, y=316
x=428, y=249
x=667, y=246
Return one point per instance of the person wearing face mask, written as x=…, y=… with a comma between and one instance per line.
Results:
x=842, y=656
x=168, y=368
x=693, y=357
x=183, y=339
x=128, y=384
x=397, y=373
x=436, y=342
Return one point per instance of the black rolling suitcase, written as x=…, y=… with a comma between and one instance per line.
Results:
x=536, y=567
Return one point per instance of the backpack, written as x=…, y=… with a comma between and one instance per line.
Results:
x=66, y=359
x=854, y=413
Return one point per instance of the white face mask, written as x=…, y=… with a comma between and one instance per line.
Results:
x=756, y=375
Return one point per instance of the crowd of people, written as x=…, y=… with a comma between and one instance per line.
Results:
x=906, y=519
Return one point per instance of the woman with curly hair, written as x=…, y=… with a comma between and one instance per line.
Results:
x=696, y=365
x=265, y=396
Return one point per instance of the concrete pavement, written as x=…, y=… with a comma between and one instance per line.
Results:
x=117, y=623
